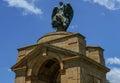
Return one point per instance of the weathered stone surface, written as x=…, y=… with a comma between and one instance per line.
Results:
x=95, y=53
x=71, y=41
x=60, y=57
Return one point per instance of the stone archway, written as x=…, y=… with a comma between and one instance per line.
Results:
x=49, y=72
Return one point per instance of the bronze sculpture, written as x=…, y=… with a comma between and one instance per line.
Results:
x=62, y=16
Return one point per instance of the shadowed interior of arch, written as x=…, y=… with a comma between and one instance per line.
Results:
x=49, y=72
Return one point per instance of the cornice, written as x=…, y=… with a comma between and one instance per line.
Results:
x=75, y=55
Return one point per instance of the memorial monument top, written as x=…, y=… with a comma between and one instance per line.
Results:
x=60, y=57
x=62, y=16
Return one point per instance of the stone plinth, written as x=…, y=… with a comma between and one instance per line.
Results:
x=71, y=41
x=95, y=53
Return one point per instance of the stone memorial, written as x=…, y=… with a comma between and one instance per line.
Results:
x=61, y=56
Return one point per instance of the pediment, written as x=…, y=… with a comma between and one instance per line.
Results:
x=41, y=50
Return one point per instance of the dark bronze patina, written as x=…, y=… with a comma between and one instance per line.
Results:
x=62, y=16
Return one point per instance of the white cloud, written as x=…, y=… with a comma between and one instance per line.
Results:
x=114, y=75
x=9, y=70
x=74, y=26
x=109, y=4
x=114, y=60
x=25, y=5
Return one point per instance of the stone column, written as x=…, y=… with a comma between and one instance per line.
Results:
x=20, y=75
x=32, y=79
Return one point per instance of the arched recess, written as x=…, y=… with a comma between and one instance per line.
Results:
x=49, y=72
x=40, y=62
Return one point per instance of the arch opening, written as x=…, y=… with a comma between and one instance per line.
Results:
x=49, y=72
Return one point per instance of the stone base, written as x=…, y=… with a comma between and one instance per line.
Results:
x=60, y=57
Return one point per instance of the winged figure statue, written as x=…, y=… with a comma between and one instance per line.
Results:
x=62, y=16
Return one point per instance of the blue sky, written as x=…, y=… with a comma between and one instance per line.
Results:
x=22, y=22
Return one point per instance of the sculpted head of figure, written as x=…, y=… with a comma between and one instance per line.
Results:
x=61, y=3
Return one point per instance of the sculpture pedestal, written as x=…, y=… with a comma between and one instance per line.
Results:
x=60, y=57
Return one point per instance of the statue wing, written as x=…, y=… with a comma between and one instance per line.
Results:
x=69, y=11
x=54, y=11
